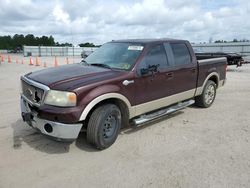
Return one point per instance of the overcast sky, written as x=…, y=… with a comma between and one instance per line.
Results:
x=99, y=21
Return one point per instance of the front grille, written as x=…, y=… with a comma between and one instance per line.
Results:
x=32, y=93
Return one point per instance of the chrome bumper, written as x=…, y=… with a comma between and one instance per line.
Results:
x=59, y=131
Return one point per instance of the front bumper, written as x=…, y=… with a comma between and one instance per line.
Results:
x=59, y=131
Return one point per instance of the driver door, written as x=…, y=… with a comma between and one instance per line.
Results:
x=151, y=86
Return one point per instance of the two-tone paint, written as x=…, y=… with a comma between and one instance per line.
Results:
x=138, y=94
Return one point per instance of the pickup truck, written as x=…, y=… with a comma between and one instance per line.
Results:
x=123, y=83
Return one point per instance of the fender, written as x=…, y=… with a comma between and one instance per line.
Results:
x=100, y=90
x=104, y=97
x=199, y=90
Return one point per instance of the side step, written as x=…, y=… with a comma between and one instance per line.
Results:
x=162, y=112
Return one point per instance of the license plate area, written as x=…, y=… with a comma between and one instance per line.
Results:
x=27, y=117
x=27, y=112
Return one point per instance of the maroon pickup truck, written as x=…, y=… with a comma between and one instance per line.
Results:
x=123, y=81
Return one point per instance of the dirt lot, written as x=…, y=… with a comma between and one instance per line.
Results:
x=192, y=148
x=41, y=61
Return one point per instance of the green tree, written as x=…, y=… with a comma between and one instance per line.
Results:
x=87, y=44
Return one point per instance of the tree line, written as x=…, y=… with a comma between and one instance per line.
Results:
x=18, y=40
x=234, y=40
x=87, y=44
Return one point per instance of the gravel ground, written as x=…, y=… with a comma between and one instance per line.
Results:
x=191, y=148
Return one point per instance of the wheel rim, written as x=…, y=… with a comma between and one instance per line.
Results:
x=209, y=95
x=109, y=126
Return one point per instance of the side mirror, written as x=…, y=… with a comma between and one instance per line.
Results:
x=150, y=69
x=153, y=68
x=144, y=71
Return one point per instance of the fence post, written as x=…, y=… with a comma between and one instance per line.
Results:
x=39, y=50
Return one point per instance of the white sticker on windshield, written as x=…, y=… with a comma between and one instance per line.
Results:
x=140, y=48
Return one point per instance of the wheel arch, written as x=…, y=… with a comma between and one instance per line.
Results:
x=214, y=76
x=215, y=79
x=121, y=101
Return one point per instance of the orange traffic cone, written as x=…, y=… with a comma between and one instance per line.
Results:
x=55, y=63
x=31, y=61
x=45, y=64
x=37, y=62
x=9, y=59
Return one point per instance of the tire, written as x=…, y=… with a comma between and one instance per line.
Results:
x=103, y=126
x=207, y=97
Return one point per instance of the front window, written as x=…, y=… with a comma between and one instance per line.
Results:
x=155, y=56
x=116, y=55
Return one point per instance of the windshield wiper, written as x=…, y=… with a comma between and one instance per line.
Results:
x=101, y=65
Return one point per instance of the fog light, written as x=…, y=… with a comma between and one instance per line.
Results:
x=48, y=128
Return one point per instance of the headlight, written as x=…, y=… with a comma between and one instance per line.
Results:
x=60, y=98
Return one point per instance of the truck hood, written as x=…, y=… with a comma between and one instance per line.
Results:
x=68, y=77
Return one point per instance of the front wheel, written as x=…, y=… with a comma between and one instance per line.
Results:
x=104, y=126
x=207, y=97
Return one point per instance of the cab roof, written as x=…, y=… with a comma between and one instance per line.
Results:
x=147, y=41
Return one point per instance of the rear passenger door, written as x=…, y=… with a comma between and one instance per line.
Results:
x=184, y=68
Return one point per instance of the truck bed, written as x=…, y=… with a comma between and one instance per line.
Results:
x=232, y=58
x=206, y=66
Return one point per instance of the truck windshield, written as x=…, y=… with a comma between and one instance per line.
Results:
x=115, y=55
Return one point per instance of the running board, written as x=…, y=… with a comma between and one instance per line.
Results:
x=162, y=112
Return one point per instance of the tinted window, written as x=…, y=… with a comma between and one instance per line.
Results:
x=181, y=54
x=155, y=56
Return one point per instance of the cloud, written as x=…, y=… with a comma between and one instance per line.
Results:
x=60, y=15
x=100, y=21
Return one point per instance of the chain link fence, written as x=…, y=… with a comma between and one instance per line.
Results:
x=242, y=48
x=55, y=51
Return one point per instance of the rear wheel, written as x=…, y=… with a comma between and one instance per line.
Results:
x=104, y=126
x=207, y=97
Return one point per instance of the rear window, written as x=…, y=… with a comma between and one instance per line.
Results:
x=181, y=53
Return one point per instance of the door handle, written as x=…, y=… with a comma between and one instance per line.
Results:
x=127, y=82
x=170, y=75
x=193, y=70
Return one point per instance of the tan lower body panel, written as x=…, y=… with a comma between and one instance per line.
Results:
x=166, y=101
x=146, y=107
x=200, y=89
x=159, y=103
